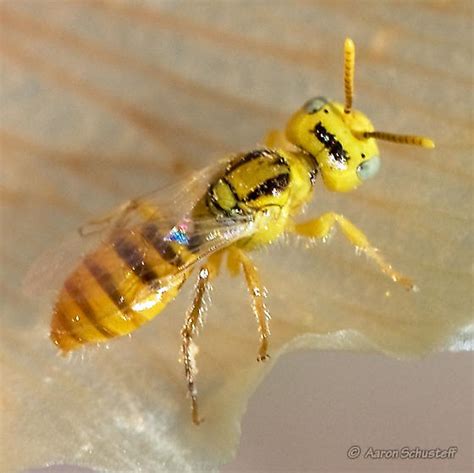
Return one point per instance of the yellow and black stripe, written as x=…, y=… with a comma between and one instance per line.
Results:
x=114, y=290
x=250, y=182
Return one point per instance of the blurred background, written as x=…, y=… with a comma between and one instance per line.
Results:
x=102, y=101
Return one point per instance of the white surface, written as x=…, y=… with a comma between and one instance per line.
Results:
x=314, y=406
x=99, y=104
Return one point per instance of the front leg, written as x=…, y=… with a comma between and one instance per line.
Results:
x=238, y=258
x=322, y=226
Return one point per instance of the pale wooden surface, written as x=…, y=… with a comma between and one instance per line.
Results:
x=103, y=101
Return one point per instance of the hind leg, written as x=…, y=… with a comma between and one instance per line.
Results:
x=190, y=328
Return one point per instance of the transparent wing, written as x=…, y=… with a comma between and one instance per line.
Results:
x=48, y=272
x=164, y=222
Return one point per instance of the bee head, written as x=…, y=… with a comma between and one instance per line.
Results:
x=342, y=140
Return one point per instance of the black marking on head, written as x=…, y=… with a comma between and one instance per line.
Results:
x=272, y=186
x=313, y=171
x=162, y=246
x=330, y=142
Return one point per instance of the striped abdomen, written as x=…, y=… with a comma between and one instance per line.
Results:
x=119, y=287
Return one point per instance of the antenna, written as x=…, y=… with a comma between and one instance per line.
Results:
x=403, y=139
x=349, y=60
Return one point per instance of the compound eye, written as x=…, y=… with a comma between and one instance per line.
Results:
x=368, y=168
x=315, y=104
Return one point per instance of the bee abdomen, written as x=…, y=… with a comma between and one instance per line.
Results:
x=114, y=291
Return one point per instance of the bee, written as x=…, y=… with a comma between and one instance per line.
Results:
x=150, y=248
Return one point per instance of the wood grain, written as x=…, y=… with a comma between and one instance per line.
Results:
x=102, y=101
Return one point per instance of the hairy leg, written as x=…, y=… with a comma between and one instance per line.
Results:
x=190, y=328
x=322, y=226
x=238, y=258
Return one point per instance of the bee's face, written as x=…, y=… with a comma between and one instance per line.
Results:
x=345, y=158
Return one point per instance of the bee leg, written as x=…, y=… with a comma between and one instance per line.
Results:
x=322, y=226
x=190, y=329
x=257, y=293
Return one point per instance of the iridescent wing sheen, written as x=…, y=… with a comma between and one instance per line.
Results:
x=159, y=223
x=134, y=274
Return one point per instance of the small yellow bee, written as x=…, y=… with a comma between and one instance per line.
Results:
x=249, y=201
